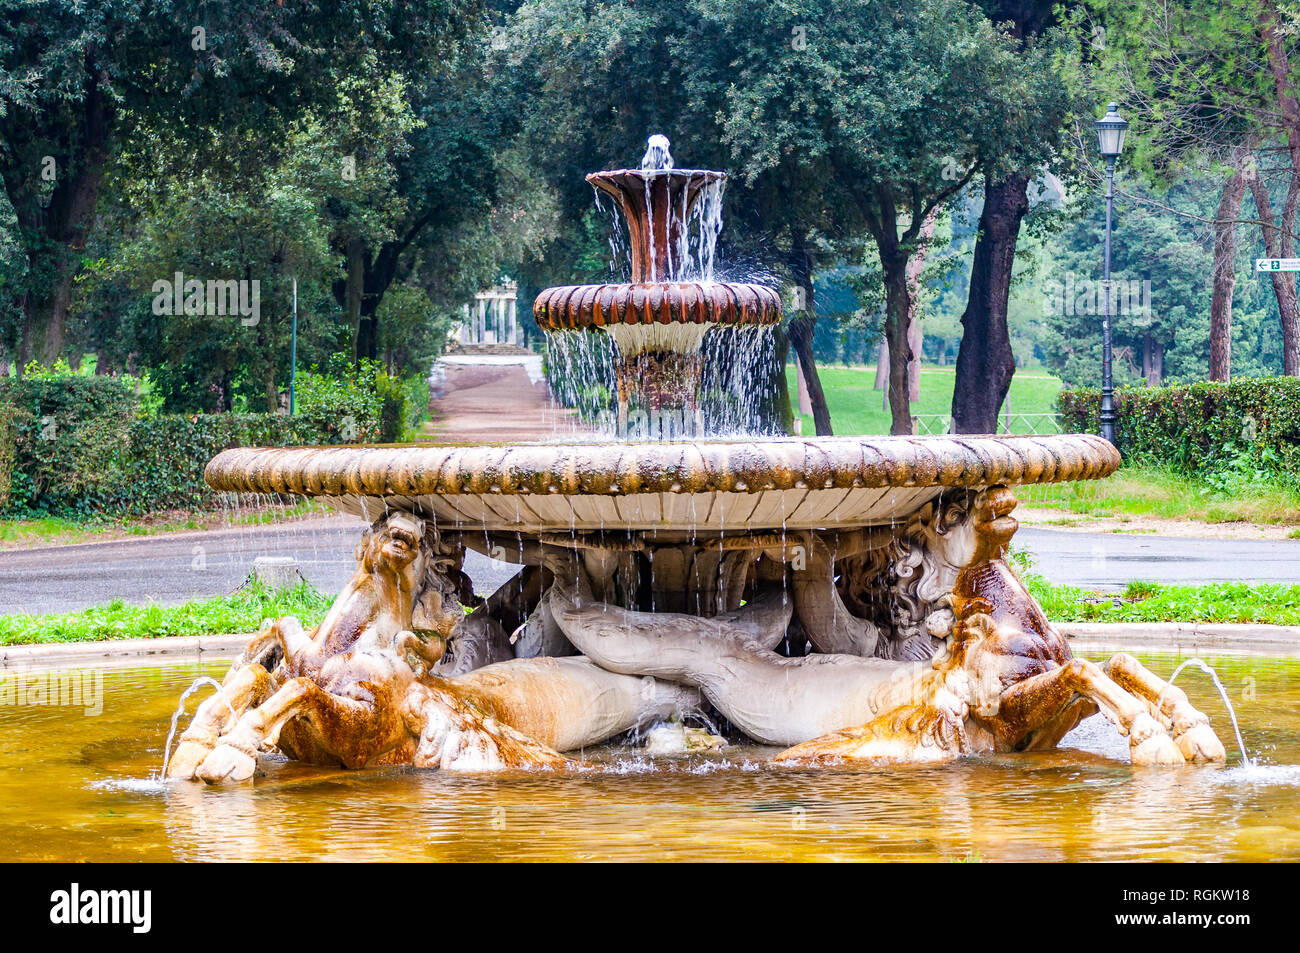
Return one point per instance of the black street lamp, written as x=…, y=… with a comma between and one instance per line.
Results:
x=1110, y=141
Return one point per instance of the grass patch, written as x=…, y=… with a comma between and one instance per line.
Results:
x=58, y=531
x=1165, y=494
x=1152, y=602
x=241, y=612
x=857, y=408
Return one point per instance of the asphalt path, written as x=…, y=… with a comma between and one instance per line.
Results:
x=1110, y=561
x=175, y=567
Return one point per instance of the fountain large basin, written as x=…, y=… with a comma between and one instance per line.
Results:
x=791, y=483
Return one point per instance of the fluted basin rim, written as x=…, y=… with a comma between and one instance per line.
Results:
x=572, y=307
x=692, y=467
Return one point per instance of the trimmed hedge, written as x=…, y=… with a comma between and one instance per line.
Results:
x=76, y=446
x=1206, y=426
x=152, y=463
x=162, y=467
x=10, y=418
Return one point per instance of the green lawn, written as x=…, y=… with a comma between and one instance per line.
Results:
x=1164, y=494
x=1151, y=602
x=857, y=408
x=61, y=531
x=242, y=612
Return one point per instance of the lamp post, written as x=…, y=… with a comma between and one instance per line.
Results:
x=293, y=354
x=1110, y=141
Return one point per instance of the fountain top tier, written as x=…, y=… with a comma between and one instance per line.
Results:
x=659, y=204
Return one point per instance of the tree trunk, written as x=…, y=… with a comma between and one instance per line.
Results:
x=1274, y=33
x=46, y=314
x=882, y=366
x=354, y=290
x=915, y=338
x=1153, y=359
x=379, y=275
x=1225, y=275
x=801, y=333
x=272, y=392
x=56, y=233
x=1284, y=288
x=898, y=307
x=801, y=388
x=914, y=341
x=985, y=362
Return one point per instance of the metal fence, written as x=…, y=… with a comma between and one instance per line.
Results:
x=1010, y=423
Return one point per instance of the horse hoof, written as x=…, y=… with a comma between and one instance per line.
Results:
x=186, y=759
x=1199, y=744
x=1149, y=743
x=227, y=764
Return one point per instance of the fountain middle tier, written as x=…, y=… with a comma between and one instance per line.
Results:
x=572, y=307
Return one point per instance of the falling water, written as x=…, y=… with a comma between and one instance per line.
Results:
x=580, y=371
x=1223, y=693
x=738, y=390
x=620, y=256
x=180, y=709
x=699, y=235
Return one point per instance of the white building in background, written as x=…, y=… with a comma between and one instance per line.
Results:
x=488, y=350
x=492, y=318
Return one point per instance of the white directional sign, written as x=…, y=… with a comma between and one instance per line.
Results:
x=1277, y=264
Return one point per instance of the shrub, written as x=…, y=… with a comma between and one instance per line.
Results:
x=1243, y=428
x=74, y=445
x=10, y=420
x=168, y=453
x=67, y=434
x=360, y=402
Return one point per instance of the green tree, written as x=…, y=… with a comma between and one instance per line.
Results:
x=78, y=80
x=1211, y=88
x=264, y=224
x=1032, y=141
x=1161, y=265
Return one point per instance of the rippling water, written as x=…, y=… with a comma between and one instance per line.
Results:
x=77, y=786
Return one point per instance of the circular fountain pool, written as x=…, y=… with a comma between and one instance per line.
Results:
x=84, y=787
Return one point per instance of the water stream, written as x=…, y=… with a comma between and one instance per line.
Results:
x=1223, y=693
x=180, y=710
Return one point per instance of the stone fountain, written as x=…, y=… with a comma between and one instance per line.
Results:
x=841, y=598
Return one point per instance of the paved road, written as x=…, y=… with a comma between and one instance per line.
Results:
x=172, y=568
x=1110, y=560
